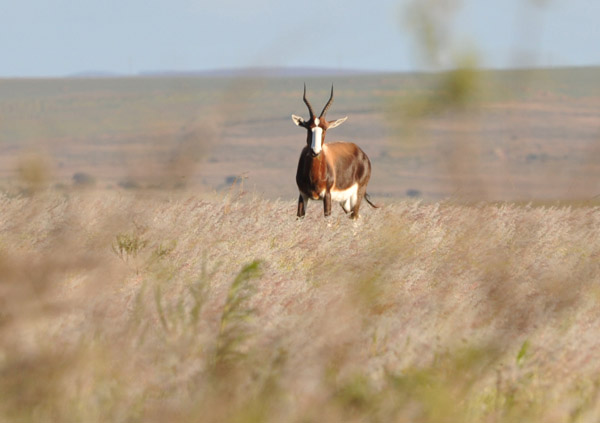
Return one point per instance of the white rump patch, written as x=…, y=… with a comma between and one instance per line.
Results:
x=317, y=139
x=347, y=196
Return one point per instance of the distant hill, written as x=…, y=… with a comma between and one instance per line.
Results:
x=271, y=72
x=283, y=72
x=292, y=72
x=96, y=74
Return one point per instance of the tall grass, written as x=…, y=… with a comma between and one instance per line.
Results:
x=232, y=310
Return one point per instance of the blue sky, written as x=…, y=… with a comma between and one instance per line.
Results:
x=63, y=37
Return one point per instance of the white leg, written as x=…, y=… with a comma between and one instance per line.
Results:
x=352, y=201
x=346, y=205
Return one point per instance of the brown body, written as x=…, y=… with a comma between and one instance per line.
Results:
x=339, y=171
x=340, y=166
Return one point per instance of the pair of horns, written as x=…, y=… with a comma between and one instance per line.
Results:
x=310, y=109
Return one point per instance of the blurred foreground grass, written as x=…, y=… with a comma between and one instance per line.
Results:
x=123, y=307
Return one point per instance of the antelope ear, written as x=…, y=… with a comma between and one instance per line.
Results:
x=338, y=122
x=298, y=120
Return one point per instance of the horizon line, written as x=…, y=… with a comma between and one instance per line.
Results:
x=280, y=71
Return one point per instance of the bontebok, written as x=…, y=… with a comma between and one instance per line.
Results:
x=338, y=171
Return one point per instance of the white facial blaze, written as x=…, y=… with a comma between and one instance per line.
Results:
x=317, y=139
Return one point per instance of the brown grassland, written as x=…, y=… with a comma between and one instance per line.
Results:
x=163, y=300
x=123, y=307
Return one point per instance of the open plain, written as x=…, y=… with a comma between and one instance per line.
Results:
x=481, y=135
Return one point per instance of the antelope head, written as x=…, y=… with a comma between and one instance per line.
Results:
x=317, y=126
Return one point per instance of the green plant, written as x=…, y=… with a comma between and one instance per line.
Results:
x=237, y=312
x=128, y=246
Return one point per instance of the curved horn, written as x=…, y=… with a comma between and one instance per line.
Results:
x=310, y=109
x=328, y=104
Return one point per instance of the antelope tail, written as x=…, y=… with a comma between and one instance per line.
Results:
x=370, y=203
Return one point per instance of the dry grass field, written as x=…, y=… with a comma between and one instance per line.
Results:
x=150, y=307
x=152, y=268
